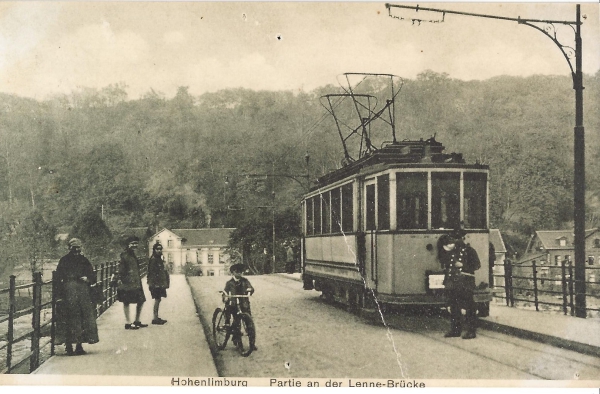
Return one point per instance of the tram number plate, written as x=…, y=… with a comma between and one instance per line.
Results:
x=436, y=281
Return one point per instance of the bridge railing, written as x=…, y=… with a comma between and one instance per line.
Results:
x=533, y=284
x=27, y=317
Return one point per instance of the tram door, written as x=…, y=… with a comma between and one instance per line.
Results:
x=378, y=241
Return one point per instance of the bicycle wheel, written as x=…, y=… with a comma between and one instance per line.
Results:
x=220, y=329
x=245, y=344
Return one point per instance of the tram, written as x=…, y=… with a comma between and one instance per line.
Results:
x=371, y=227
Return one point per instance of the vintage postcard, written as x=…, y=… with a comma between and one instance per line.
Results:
x=299, y=194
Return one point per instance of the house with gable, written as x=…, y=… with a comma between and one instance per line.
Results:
x=204, y=248
x=549, y=248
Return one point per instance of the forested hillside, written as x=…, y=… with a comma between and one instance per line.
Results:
x=94, y=162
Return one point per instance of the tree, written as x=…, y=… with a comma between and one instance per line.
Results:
x=94, y=233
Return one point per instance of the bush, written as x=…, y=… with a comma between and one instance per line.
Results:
x=190, y=269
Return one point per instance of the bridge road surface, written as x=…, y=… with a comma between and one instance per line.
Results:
x=178, y=348
x=300, y=335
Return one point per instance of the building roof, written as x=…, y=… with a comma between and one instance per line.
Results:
x=204, y=236
x=497, y=241
x=550, y=238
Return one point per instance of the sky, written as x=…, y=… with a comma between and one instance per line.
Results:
x=49, y=48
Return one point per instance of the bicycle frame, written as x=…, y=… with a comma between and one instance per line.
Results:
x=239, y=329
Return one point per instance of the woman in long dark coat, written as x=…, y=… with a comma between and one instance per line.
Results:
x=129, y=290
x=76, y=314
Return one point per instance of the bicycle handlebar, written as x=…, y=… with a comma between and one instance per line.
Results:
x=234, y=296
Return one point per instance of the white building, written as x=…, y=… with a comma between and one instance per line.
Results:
x=204, y=248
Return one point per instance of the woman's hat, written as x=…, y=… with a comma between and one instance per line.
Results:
x=131, y=239
x=237, y=268
x=75, y=242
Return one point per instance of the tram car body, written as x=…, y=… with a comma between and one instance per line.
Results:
x=371, y=228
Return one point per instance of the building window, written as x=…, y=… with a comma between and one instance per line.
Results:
x=556, y=260
x=210, y=273
x=562, y=242
x=221, y=259
x=210, y=258
x=188, y=257
x=597, y=243
x=411, y=200
x=591, y=260
x=170, y=257
x=170, y=243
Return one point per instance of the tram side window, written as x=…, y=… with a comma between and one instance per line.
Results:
x=317, y=214
x=411, y=200
x=336, y=205
x=383, y=202
x=326, y=205
x=309, y=217
x=370, y=207
x=347, y=208
x=445, y=200
x=475, y=200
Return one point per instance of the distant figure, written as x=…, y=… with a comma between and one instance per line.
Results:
x=129, y=284
x=158, y=280
x=290, y=265
x=459, y=261
x=76, y=315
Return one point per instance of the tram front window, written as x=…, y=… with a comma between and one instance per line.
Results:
x=411, y=200
x=445, y=200
x=475, y=200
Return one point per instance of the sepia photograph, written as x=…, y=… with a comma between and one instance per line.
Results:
x=299, y=194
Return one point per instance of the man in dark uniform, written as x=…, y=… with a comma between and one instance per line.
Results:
x=459, y=261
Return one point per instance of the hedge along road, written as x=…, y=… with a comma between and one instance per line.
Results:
x=301, y=335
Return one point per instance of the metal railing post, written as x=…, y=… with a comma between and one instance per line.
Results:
x=53, y=323
x=571, y=293
x=34, y=361
x=535, y=287
x=10, y=335
x=507, y=281
x=564, y=285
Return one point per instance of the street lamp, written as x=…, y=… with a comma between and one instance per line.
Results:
x=547, y=27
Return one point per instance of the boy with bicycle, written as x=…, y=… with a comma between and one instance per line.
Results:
x=237, y=285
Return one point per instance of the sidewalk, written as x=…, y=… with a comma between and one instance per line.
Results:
x=178, y=348
x=564, y=331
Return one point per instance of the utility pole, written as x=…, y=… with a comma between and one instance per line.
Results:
x=548, y=28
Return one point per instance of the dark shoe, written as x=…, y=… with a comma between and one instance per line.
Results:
x=452, y=334
x=131, y=326
x=79, y=350
x=469, y=335
x=139, y=324
x=69, y=349
x=159, y=321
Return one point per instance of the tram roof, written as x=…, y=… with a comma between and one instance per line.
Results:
x=406, y=154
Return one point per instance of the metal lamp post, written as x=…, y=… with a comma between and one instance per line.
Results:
x=547, y=27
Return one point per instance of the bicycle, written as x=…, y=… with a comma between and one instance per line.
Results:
x=241, y=329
